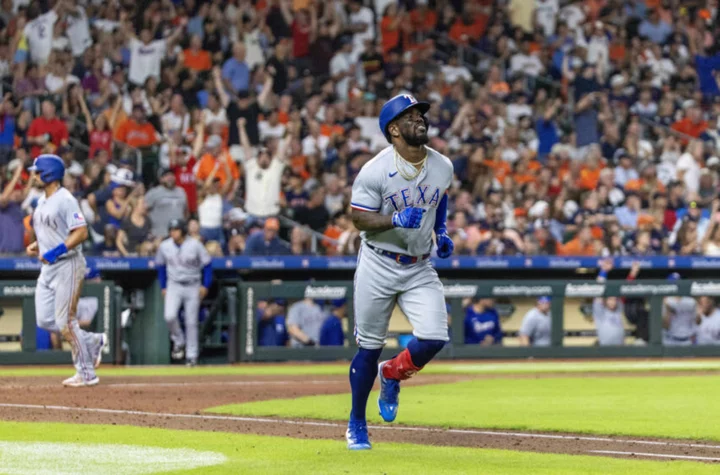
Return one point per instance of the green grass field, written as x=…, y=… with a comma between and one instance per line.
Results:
x=342, y=368
x=68, y=448
x=669, y=406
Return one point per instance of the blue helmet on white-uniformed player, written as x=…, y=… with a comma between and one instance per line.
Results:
x=399, y=200
x=49, y=168
x=60, y=229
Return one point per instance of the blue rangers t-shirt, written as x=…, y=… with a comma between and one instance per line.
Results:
x=480, y=324
x=331, y=332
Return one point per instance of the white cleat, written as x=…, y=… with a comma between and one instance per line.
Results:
x=76, y=381
x=98, y=350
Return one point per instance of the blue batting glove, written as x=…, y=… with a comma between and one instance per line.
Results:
x=54, y=254
x=445, y=246
x=409, y=218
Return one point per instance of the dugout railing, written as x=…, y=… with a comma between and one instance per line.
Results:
x=456, y=291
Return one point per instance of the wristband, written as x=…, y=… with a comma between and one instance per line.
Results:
x=53, y=254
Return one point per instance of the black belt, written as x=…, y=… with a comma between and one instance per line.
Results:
x=399, y=258
x=186, y=282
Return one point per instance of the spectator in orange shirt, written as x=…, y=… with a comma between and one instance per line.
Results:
x=393, y=28
x=468, y=28
x=136, y=131
x=590, y=173
x=217, y=163
x=582, y=245
x=692, y=124
x=330, y=127
x=423, y=19
x=195, y=57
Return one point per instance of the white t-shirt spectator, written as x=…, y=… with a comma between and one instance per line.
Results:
x=364, y=16
x=54, y=83
x=210, y=211
x=78, y=31
x=39, y=34
x=340, y=63
x=60, y=43
x=269, y=131
x=546, y=13
x=573, y=15
x=145, y=60
x=691, y=178
x=526, y=63
x=210, y=117
x=515, y=111
x=310, y=143
x=453, y=73
x=598, y=50
x=262, y=188
x=173, y=122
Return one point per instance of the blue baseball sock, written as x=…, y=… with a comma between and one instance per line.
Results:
x=363, y=371
x=422, y=351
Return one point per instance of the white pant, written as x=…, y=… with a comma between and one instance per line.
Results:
x=187, y=296
x=381, y=282
x=56, y=298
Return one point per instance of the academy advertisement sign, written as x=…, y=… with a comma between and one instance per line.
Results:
x=649, y=289
x=521, y=290
x=459, y=291
x=585, y=290
x=325, y=292
x=705, y=288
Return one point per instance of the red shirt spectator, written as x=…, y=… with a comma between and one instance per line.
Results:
x=301, y=36
x=692, y=124
x=47, y=129
x=185, y=179
x=100, y=140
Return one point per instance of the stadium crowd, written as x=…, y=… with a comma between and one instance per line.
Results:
x=575, y=127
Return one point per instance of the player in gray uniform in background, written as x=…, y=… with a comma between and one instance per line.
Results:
x=304, y=321
x=708, y=322
x=608, y=313
x=60, y=229
x=185, y=275
x=537, y=324
x=679, y=314
x=399, y=200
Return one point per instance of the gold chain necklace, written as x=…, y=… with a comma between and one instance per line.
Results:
x=401, y=167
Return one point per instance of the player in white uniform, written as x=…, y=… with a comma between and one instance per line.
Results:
x=60, y=229
x=708, y=321
x=679, y=314
x=185, y=274
x=399, y=199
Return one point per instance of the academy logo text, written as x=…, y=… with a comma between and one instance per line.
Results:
x=584, y=290
x=648, y=289
x=325, y=292
x=18, y=290
x=705, y=288
x=528, y=290
x=458, y=290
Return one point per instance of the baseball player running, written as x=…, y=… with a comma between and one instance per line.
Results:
x=60, y=228
x=398, y=199
x=185, y=275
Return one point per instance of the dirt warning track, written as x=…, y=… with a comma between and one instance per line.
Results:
x=178, y=402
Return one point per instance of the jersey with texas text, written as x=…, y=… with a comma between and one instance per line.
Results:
x=54, y=218
x=381, y=188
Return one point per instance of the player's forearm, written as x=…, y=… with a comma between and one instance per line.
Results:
x=299, y=335
x=524, y=340
x=368, y=221
x=77, y=236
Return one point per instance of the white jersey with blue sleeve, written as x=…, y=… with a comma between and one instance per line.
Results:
x=54, y=218
x=380, y=188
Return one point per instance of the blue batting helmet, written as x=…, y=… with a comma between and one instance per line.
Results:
x=49, y=167
x=395, y=107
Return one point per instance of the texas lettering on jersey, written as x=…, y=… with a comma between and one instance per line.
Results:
x=423, y=196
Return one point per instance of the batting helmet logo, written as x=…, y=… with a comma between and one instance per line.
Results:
x=50, y=168
x=397, y=106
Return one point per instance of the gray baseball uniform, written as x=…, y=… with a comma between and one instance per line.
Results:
x=682, y=321
x=184, y=273
x=309, y=317
x=59, y=285
x=708, y=332
x=380, y=281
x=609, y=323
x=536, y=326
